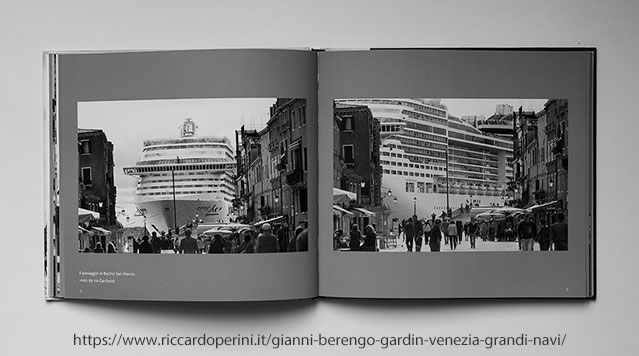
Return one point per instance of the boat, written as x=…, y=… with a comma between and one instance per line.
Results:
x=184, y=180
x=432, y=160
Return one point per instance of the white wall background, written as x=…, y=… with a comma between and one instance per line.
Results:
x=31, y=326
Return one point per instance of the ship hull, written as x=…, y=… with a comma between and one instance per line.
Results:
x=160, y=213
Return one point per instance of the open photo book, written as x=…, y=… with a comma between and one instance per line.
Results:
x=265, y=174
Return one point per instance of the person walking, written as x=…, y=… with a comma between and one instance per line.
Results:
x=483, y=230
x=145, y=246
x=427, y=228
x=452, y=235
x=409, y=231
x=216, y=247
x=266, y=241
x=155, y=242
x=444, y=227
x=292, y=243
x=543, y=236
x=435, y=238
x=526, y=233
x=136, y=244
x=356, y=237
x=301, y=242
x=419, y=231
x=472, y=231
x=246, y=246
x=460, y=231
x=559, y=233
x=188, y=245
x=370, y=239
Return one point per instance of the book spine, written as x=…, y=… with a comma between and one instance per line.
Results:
x=51, y=183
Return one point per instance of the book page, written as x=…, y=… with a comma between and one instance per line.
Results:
x=450, y=175
x=187, y=175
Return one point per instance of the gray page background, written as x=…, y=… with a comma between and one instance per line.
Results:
x=174, y=75
x=460, y=74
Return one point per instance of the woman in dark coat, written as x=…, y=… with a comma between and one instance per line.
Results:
x=435, y=236
x=370, y=239
x=356, y=236
x=216, y=246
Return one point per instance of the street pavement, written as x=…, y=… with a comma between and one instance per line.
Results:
x=465, y=246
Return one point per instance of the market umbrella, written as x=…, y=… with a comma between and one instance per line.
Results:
x=85, y=215
x=492, y=214
x=343, y=196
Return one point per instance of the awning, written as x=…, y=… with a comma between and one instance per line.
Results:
x=341, y=210
x=272, y=220
x=535, y=207
x=101, y=230
x=343, y=196
x=85, y=215
x=84, y=231
x=363, y=211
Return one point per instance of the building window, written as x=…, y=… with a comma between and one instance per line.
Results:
x=348, y=123
x=347, y=151
x=305, y=159
x=410, y=187
x=86, y=176
x=85, y=147
x=293, y=119
x=421, y=187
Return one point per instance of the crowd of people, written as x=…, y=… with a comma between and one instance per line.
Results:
x=548, y=237
x=259, y=240
x=432, y=232
x=419, y=234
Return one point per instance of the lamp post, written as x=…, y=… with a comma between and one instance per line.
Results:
x=175, y=226
x=384, y=218
x=414, y=206
x=447, y=194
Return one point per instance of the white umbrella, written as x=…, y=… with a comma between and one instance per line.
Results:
x=343, y=196
x=492, y=214
x=85, y=215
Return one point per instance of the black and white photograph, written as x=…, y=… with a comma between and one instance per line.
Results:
x=431, y=175
x=193, y=176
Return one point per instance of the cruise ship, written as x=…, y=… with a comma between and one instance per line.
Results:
x=431, y=160
x=184, y=178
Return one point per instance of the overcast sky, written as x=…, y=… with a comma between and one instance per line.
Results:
x=128, y=123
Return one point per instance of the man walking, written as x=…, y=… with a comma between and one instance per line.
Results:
x=266, y=241
x=419, y=231
x=472, y=231
x=559, y=233
x=434, y=241
x=188, y=245
x=452, y=234
x=409, y=232
x=526, y=233
x=543, y=236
